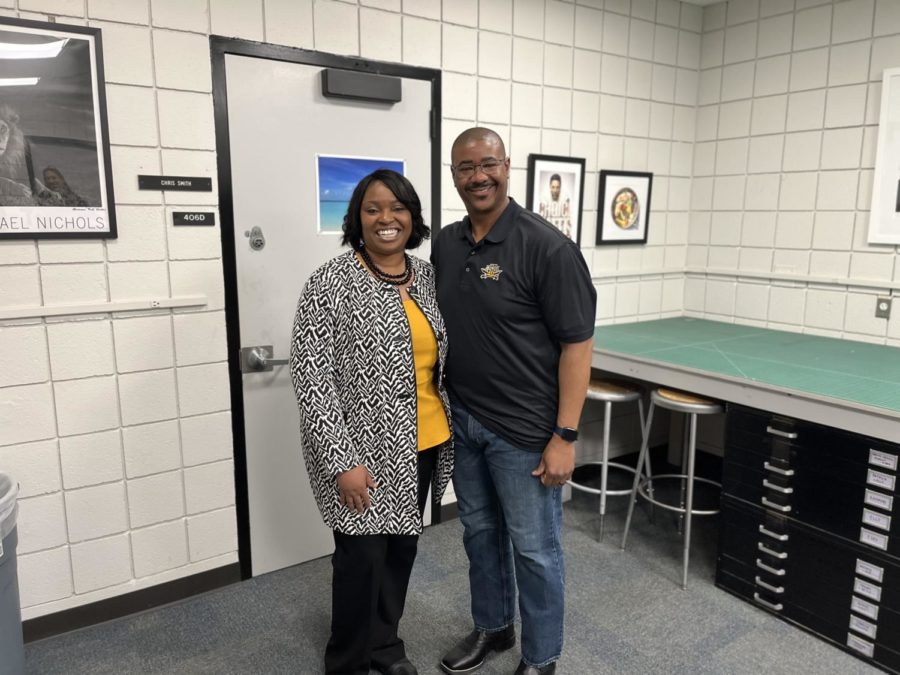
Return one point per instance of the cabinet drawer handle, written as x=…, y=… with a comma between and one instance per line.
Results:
x=777, y=507
x=778, y=488
x=775, y=469
x=769, y=533
x=769, y=587
x=776, y=607
x=771, y=570
x=790, y=435
x=775, y=554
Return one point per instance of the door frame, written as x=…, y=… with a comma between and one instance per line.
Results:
x=219, y=47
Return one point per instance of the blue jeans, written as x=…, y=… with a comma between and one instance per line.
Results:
x=512, y=534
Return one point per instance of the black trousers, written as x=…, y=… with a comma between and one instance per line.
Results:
x=368, y=592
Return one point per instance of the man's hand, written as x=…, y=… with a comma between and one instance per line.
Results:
x=557, y=462
x=353, y=486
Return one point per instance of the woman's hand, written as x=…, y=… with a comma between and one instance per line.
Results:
x=353, y=486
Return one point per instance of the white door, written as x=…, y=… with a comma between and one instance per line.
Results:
x=278, y=120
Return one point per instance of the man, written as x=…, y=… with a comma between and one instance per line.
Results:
x=555, y=209
x=519, y=305
x=555, y=187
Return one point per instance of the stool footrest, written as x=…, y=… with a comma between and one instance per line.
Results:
x=643, y=492
x=596, y=491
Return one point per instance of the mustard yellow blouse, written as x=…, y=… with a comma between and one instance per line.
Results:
x=431, y=419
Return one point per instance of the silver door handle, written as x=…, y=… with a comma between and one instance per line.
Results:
x=777, y=488
x=259, y=359
x=771, y=570
x=790, y=435
x=778, y=470
x=765, y=549
x=769, y=587
x=775, y=608
x=769, y=533
x=777, y=507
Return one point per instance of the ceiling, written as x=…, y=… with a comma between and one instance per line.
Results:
x=702, y=3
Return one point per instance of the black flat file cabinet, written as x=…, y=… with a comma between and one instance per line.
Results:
x=810, y=529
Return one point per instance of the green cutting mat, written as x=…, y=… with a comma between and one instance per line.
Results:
x=842, y=369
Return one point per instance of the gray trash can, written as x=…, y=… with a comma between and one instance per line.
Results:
x=12, y=651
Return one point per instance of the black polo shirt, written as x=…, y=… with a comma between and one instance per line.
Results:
x=508, y=302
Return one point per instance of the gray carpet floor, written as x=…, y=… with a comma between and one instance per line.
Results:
x=626, y=613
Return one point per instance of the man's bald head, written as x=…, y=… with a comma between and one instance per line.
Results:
x=474, y=135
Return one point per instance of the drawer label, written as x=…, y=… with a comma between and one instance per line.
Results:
x=875, y=519
x=881, y=479
x=870, y=591
x=883, y=459
x=866, y=569
x=875, y=539
x=860, y=645
x=867, y=628
x=882, y=501
x=864, y=607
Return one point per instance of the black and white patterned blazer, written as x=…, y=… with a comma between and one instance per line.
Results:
x=354, y=376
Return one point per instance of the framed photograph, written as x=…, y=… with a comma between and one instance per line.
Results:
x=556, y=190
x=336, y=177
x=55, y=175
x=623, y=214
x=884, y=221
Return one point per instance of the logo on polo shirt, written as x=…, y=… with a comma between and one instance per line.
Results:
x=491, y=271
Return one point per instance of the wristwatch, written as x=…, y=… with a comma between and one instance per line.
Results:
x=568, y=434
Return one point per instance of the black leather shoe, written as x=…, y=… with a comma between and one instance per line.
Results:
x=401, y=667
x=468, y=656
x=525, y=669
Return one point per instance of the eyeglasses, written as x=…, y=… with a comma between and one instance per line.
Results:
x=467, y=169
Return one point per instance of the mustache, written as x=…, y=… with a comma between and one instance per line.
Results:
x=480, y=184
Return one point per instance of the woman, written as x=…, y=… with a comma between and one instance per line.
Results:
x=367, y=359
x=56, y=183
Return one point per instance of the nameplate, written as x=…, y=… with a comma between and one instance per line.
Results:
x=879, y=500
x=873, y=538
x=881, y=479
x=864, y=607
x=176, y=183
x=866, y=589
x=862, y=646
x=869, y=570
x=195, y=218
x=883, y=459
x=878, y=520
x=867, y=628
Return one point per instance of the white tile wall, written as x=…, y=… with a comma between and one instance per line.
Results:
x=101, y=562
x=805, y=150
x=156, y=499
x=123, y=411
x=159, y=548
x=91, y=459
x=151, y=448
x=97, y=511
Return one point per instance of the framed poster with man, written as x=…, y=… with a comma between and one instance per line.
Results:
x=556, y=191
x=55, y=176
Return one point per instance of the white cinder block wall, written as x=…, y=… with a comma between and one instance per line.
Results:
x=118, y=425
x=789, y=99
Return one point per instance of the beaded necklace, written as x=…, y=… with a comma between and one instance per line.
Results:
x=393, y=279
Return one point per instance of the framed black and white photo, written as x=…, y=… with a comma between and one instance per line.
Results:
x=55, y=175
x=623, y=213
x=556, y=190
x=884, y=220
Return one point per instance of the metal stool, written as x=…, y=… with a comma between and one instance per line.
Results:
x=691, y=405
x=612, y=391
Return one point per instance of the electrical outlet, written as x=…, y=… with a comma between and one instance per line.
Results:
x=154, y=303
x=883, y=308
